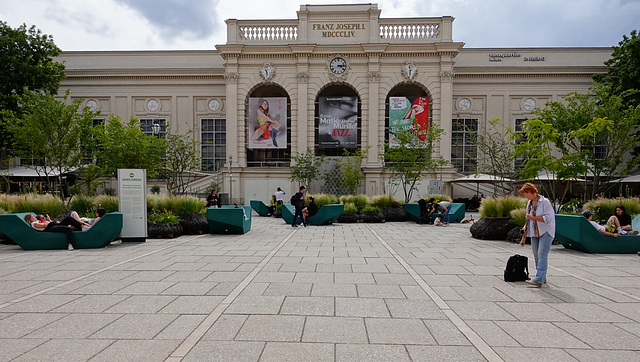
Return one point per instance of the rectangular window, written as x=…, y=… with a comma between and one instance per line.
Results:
x=598, y=148
x=519, y=130
x=464, y=149
x=154, y=127
x=214, y=143
x=88, y=159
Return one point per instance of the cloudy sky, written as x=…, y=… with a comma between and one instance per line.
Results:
x=199, y=24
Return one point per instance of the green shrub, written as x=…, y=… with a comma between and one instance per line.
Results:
x=518, y=216
x=370, y=209
x=324, y=199
x=39, y=204
x=7, y=203
x=350, y=208
x=383, y=201
x=572, y=207
x=186, y=204
x=109, y=191
x=358, y=200
x=603, y=208
x=155, y=189
x=500, y=206
x=109, y=203
x=82, y=204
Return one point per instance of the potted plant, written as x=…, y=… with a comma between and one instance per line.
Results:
x=164, y=225
x=495, y=217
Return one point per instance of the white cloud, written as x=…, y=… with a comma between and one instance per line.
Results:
x=179, y=24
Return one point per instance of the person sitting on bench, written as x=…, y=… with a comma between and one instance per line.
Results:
x=310, y=210
x=44, y=223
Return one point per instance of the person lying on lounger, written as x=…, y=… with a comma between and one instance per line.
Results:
x=44, y=223
x=612, y=228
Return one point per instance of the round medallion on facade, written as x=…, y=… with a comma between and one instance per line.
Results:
x=92, y=104
x=464, y=104
x=153, y=105
x=338, y=65
x=529, y=104
x=213, y=105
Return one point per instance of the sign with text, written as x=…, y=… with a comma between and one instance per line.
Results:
x=267, y=122
x=408, y=113
x=132, y=203
x=338, y=124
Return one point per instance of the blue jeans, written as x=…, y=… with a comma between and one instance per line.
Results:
x=540, y=247
x=444, y=217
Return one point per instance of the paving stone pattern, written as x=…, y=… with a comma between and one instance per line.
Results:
x=346, y=292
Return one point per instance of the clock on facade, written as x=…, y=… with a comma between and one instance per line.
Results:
x=267, y=71
x=529, y=104
x=153, y=105
x=464, y=104
x=214, y=105
x=338, y=65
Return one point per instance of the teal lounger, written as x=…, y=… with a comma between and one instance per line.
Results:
x=229, y=220
x=99, y=235
x=575, y=232
x=326, y=215
x=260, y=207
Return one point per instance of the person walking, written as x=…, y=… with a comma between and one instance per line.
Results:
x=298, y=202
x=540, y=227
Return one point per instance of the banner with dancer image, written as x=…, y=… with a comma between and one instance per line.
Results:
x=408, y=113
x=338, y=124
x=267, y=123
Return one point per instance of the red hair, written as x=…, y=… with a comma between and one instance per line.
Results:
x=528, y=188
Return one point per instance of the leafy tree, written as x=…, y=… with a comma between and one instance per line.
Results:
x=305, y=167
x=181, y=161
x=51, y=132
x=411, y=158
x=26, y=63
x=592, y=134
x=497, y=151
x=352, y=169
x=623, y=69
x=124, y=145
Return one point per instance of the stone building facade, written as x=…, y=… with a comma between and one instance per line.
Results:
x=327, y=52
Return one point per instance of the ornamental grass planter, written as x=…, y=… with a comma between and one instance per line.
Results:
x=373, y=218
x=492, y=228
x=395, y=214
x=349, y=218
x=164, y=231
x=194, y=224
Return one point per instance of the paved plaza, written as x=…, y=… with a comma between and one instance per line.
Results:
x=346, y=292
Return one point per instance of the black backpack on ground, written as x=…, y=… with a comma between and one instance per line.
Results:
x=517, y=269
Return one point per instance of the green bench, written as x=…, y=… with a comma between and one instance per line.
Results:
x=99, y=235
x=455, y=215
x=326, y=214
x=260, y=207
x=229, y=219
x=576, y=232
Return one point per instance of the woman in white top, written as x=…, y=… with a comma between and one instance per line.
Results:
x=540, y=226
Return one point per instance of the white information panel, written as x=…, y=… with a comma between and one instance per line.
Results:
x=132, y=203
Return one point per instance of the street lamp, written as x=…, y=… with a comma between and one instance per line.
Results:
x=155, y=130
